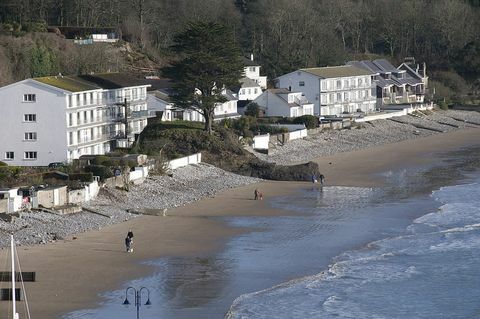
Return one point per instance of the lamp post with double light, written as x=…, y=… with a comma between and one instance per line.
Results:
x=138, y=298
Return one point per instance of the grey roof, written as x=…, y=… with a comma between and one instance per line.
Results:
x=229, y=95
x=248, y=83
x=383, y=67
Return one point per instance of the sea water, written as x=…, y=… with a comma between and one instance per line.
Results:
x=429, y=271
x=401, y=251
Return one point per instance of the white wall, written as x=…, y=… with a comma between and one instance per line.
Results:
x=260, y=142
x=249, y=93
x=184, y=161
x=311, y=87
x=50, y=125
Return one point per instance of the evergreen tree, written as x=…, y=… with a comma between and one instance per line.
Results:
x=209, y=61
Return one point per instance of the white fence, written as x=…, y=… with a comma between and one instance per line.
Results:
x=184, y=161
x=260, y=142
x=297, y=134
x=381, y=116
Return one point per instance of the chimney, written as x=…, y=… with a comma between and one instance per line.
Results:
x=424, y=69
x=417, y=68
x=251, y=56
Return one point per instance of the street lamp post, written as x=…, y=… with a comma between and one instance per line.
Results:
x=138, y=298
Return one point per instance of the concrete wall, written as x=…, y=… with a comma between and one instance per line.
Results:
x=381, y=116
x=297, y=134
x=52, y=197
x=4, y=206
x=138, y=173
x=80, y=196
x=184, y=161
x=260, y=142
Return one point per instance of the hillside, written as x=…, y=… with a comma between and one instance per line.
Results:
x=40, y=54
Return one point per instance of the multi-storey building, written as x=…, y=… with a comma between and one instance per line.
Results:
x=334, y=90
x=395, y=86
x=60, y=118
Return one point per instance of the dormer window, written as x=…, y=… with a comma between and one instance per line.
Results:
x=301, y=83
x=252, y=69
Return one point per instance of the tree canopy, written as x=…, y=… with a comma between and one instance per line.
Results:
x=209, y=62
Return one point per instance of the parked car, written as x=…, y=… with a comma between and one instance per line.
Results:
x=56, y=165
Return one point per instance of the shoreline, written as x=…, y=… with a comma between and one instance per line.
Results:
x=187, y=230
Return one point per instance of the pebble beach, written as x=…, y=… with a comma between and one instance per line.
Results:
x=192, y=183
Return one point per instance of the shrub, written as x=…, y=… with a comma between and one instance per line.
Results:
x=103, y=172
x=82, y=177
x=310, y=121
x=252, y=109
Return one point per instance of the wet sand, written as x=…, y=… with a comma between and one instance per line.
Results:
x=71, y=273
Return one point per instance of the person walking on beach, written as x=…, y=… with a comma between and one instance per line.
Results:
x=322, y=179
x=314, y=179
x=130, y=239
x=255, y=194
x=128, y=244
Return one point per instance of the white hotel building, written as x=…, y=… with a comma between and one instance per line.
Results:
x=60, y=118
x=334, y=90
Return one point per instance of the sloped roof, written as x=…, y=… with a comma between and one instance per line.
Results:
x=248, y=83
x=337, y=71
x=382, y=66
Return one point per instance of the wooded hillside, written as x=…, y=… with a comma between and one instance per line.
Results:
x=283, y=34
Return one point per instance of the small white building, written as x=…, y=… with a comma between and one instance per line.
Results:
x=60, y=118
x=249, y=90
x=160, y=101
x=334, y=91
x=282, y=102
x=12, y=200
x=252, y=71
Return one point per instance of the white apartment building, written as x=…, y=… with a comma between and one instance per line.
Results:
x=282, y=102
x=333, y=90
x=60, y=118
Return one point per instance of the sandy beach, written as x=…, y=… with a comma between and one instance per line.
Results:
x=72, y=273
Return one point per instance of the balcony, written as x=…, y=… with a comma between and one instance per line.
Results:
x=84, y=141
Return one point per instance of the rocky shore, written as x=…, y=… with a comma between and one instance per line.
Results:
x=191, y=183
x=368, y=134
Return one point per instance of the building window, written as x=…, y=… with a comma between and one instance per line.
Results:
x=339, y=84
x=301, y=83
x=30, y=136
x=9, y=155
x=324, y=85
x=30, y=155
x=252, y=69
x=255, y=90
x=243, y=91
x=29, y=97
x=339, y=97
x=29, y=117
